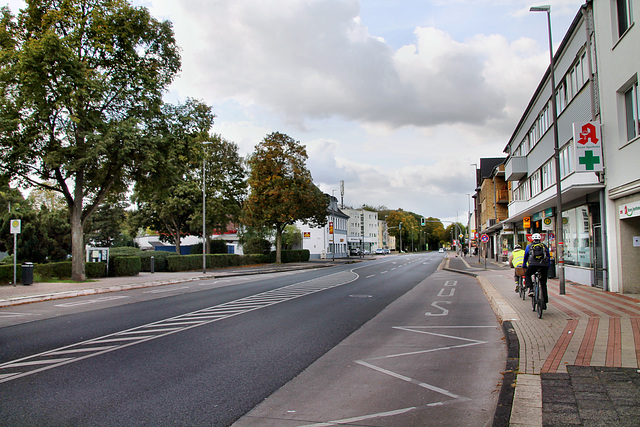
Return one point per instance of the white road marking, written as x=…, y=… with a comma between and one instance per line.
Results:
x=162, y=328
x=159, y=291
x=91, y=301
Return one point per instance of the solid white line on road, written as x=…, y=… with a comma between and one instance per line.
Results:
x=159, y=291
x=362, y=418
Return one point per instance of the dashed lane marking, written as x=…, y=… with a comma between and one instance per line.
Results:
x=40, y=362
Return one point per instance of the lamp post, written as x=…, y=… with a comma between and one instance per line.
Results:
x=556, y=154
x=204, y=210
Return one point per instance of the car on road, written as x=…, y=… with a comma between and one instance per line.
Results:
x=441, y=250
x=380, y=251
x=387, y=251
x=354, y=251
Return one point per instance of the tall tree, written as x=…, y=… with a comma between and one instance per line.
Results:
x=170, y=195
x=81, y=85
x=281, y=188
x=225, y=185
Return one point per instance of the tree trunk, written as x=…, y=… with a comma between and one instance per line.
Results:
x=176, y=238
x=77, y=243
x=279, y=244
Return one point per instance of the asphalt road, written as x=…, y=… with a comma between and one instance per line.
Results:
x=199, y=354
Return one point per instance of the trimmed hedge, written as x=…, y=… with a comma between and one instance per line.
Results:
x=298, y=255
x=159, y=260
x=194, y=262
x=126, y=266
x=54, y=270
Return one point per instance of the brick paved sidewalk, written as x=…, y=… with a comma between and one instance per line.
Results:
x=586, y=327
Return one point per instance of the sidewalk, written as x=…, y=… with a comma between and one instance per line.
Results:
x=578, y=365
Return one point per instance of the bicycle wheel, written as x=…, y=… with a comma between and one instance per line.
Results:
x=533, y=297
x=523, y=289
x=540, y=302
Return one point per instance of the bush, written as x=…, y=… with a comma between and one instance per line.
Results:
x=51, y=271
x=126, y=266
x=122, y=251
x=257, y=246
x=296, y=255
x=194, y=262
x=159, y=260
x=6, y=273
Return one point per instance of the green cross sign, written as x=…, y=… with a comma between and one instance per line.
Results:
x=589, y=160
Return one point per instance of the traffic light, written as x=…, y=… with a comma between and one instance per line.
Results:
x=423, y=221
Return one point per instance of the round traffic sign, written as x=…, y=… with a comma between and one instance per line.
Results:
x=484, y=238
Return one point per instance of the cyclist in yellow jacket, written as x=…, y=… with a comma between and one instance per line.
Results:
x=516, y=259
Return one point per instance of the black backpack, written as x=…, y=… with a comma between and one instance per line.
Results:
x=538, y=254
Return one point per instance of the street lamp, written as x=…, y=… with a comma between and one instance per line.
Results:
x=556, y=154
x=204, y=210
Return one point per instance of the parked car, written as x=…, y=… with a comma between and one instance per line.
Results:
x=354, y=251
x=366, y=252
x=387, y=251
x=380, y=251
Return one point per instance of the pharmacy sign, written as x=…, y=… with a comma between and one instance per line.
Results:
x=587, y=147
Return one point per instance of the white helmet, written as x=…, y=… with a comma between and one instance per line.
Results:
x=536, y=236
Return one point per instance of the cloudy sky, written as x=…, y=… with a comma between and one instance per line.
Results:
x=397, y=98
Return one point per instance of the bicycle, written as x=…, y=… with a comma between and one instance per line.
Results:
x=522, y=289
x=537, y=300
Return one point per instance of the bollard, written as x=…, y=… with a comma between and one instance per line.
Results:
x=152, y=265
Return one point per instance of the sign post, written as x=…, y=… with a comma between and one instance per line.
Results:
x=15, y=227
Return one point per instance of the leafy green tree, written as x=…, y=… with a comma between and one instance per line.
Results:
x=291, y=236
x=107, y=224
x=81, y=84
x=405, y=232
x=225, y=185
x=282, y=190
x=169, y=199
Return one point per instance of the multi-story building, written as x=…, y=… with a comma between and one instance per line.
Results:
x=617, y=39
x=362, y=230
x=491, y=200
x=531, y=164
x=329, y=241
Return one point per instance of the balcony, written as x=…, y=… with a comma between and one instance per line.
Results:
x=515, y=168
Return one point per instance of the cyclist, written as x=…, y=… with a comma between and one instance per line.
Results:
x=515, y=260
x=537, y=258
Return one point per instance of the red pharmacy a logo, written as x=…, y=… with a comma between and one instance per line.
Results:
x=588, y=134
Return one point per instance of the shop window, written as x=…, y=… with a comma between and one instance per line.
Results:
x=577, y=237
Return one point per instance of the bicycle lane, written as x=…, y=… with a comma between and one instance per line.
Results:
x=586, y=327
x=433, y=356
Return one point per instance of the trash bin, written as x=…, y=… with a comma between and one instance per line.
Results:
x=552, y=269
x=27, y=273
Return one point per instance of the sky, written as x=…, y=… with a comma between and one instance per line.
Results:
x=397, y=98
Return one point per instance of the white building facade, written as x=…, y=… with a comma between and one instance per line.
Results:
x=618, y=68
x=530, y=164
x=362, y=232
x=329, y=241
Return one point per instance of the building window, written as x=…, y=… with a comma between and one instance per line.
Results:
x=624, y=16
x=631, y=106
x=548, y=175
x=566, y=164
x=535, y=183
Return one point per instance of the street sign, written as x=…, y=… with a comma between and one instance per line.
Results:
x=15, y=226
x=547, y=224
x=484, y=238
